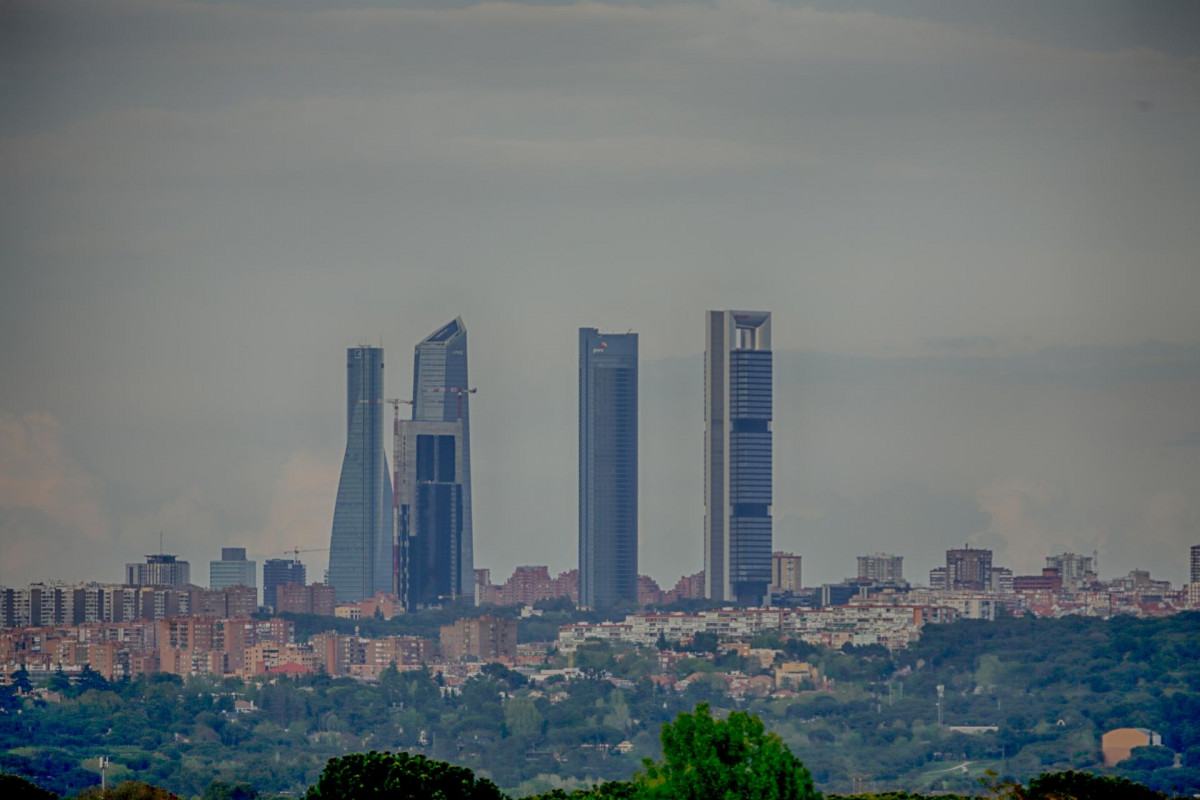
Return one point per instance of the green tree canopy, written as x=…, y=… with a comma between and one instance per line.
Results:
x=730, y=759
x=16, y=788
x=399, y=776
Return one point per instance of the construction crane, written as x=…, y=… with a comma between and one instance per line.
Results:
x=296, y=551
x=458, y=390
x=396, y=401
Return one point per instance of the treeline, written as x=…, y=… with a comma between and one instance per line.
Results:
x=1051, y=687
x=703, y=758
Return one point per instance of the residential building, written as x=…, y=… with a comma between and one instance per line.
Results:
x=316, y=598
x=361, y=551
x=1195, y=572
x=785, y=573
x=968, y=568
x=484, y=638
x=160, y=569
x=738, y=381
x=882, y=568
x=278, y=571
x=608, y=468
x=1075, y=570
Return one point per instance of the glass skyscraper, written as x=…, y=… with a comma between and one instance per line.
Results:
x=737, y=456
x=433, y=474
x=608, y=467
x=361, y=553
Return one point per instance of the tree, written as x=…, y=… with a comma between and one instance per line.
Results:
x=731, y=759
x=129, y=790
x=15, y=788
x=20, y=679
x=399, y=776
x=1082, y=786
x=220, y=790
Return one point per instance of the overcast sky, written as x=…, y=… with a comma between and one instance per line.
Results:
x=977, y=226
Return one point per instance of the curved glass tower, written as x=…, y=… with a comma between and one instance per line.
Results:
x=737, y=456
x=360, y=547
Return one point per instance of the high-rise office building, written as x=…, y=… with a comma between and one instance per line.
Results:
x=160, y=569
x=738, y=380
x=279, y=572
x=428, y=462
x=432, y=457
x=361, y=551
x=608, y=467
x=1195, y=574
x=232, y=570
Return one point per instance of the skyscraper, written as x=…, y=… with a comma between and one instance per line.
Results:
x=232, y=570
x=433, y=475
x=428, y=461
x=738, y=379
x=360, y=546
x=608, y=467
x=1195, y=571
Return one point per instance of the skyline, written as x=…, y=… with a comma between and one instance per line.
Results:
x=974, y=223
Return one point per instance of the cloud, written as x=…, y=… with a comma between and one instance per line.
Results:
x=1025, y=522
x=39, y=473
x=301, y=511
x=959, y=343
x=1190, y=439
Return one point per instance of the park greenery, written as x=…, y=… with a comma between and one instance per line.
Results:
x=1050, y=687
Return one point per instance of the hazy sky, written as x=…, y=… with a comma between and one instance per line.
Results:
x=977, y=226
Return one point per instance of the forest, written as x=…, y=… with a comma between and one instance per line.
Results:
x=1051, y=688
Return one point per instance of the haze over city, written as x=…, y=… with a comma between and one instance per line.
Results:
x=974, y=227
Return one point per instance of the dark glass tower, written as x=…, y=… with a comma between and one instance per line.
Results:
x=433, y=475
x=360, y=547
x=608, y=467
x=737, y=456
x=279, y=572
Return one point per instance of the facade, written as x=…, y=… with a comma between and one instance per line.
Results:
x=361, y=550
x=785, y=573
x=1075, y=570
x=277, y=572
x=608, y=468
x=881, y=568
x=160, y=569
x=430, y=515
x=432, y=463
x=232, y=570
x=482, y=638
x=738, y=381
x=1117, y=745
x=968, y=568
x=316, y=598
